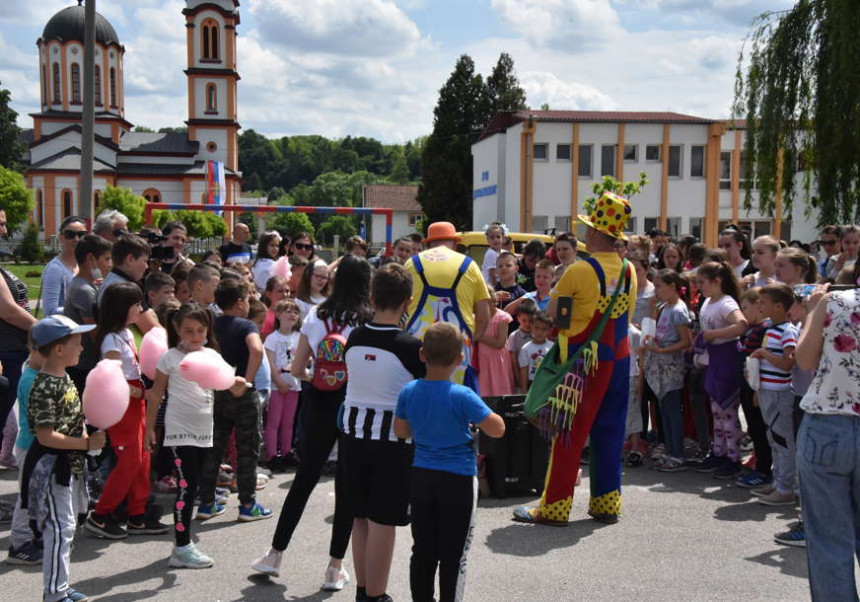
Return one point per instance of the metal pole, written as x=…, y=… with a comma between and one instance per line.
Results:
x=85, y=192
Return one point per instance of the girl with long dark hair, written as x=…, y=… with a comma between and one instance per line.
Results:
x=347, y=307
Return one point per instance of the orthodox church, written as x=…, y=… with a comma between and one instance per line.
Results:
x=163, y=167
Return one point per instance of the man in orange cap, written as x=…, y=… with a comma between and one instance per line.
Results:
x=448, y=286
x=592, y=399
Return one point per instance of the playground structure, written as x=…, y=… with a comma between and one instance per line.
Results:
x=387, y=212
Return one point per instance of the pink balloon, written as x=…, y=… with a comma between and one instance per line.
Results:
x=281, y=267
x=152, y=347
x=106, y=394
x=209, y=370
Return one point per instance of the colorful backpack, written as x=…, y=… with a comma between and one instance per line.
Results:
x=330, y=370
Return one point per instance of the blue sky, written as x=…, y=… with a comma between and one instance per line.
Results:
x=374, y=67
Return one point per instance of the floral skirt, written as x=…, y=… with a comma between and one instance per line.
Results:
x=664, y=372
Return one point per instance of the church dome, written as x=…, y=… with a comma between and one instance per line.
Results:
x=68, y=24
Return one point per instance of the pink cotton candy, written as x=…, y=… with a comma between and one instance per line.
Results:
x=106, y=394
x=208, y=370
x=152, y=347
x=281, y=267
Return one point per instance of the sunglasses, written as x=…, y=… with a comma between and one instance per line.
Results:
x=73, y=234
x=829, y=243
x=303, y=246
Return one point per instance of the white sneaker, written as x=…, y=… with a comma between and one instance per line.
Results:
x=189, y=557
x=269, y=564
x=335, y=579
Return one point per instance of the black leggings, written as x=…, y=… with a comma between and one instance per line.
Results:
x=320, y=433
x=188, y=465
x=757, y=430
x=443, y=516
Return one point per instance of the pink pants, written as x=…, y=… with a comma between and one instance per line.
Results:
x=279, y=422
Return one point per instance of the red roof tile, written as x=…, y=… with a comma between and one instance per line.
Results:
x=399, y=198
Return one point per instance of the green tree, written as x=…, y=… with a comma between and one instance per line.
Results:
x=11, y=147
x=400, y=171
x=127, y=203
x=289, y=224
x=610, y=184
x=798, y=86
x=15, y=198
x=31, y=249
x=446, y=163
x=342, y=225
x=144, y=129
x=198, y=224
x=503, y=88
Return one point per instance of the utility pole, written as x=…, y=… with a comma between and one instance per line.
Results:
x=85, y=192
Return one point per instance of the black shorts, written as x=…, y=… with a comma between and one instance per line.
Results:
x=377, y=479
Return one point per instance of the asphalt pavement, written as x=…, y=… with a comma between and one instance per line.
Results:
x=683, y=536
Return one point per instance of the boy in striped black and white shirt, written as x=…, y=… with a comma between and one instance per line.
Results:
x=775, y=396
x=381, y=359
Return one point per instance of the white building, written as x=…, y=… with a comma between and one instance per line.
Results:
x=406, y=212
x=166, y=167
x=533, y=170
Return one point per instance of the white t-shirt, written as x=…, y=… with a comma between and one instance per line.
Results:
x=306, y=307
x=262, y=271
x=314, y=329
x=188, y=419
x=713, y=316
x=490, y=258
x=283, y=346
x=124, y=343
x=739, y=269
x=532, y=355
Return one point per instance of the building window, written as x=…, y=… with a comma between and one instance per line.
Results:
x=562, y=152
x=562, y=223
x=540, y=223
x=743, y=174
x=726, y=170
x=607, y=160
x=98, y=77
x=152, y=195
x=415, y=219
x=652, y=153
x=631, y=225
x=674, y=161
x=697, y=162
x=76, y=84
x=585, y=160
x=44, y=86
x=40, y=208
x=211, y=146
x=540, y=152
x=97, y=201
x=696, y=227
x=210, y=35
x=67, y=203
x=112, y=82
x=673, y=227
x=211, y=99
x=631, y=153
x=650, y=223
x=57, y=87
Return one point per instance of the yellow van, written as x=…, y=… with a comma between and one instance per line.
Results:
x=474, y=244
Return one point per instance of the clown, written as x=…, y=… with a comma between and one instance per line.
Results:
x=592, y=397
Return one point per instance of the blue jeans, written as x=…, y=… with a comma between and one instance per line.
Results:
x=672, y=418
x=828, y=462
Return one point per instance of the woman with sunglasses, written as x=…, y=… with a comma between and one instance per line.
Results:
x=302, y=244
x=62, y=268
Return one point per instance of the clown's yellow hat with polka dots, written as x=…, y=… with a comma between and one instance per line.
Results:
x=609, y=216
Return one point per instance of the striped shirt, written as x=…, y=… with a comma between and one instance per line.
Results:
x=380, y=360
x=777, y=339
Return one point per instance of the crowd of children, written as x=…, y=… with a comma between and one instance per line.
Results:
x=325, y=370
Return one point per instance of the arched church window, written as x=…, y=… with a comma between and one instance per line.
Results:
x=98, y=78
x=44, y=86
x=211, y=98
x=76, y=83
x=112, y=87
x=67, y=203
x=210, y=36
x=57, y=88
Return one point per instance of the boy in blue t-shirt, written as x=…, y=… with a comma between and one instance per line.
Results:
x=437, y=414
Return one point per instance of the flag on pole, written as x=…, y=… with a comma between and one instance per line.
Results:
x=216, y=184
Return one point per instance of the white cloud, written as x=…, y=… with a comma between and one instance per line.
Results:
x=563, y=25
x=345, y=27
x=735, y=12
x=542, y=87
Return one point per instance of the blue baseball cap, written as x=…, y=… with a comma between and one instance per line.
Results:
x=53, y=328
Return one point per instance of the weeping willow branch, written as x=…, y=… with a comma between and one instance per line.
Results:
x=798, y=87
